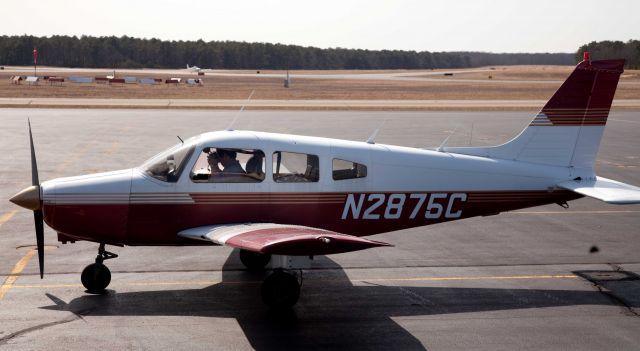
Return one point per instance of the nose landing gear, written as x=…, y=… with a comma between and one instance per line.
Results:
x=96, y=276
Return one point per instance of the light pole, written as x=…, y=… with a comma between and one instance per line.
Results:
x=35, y=61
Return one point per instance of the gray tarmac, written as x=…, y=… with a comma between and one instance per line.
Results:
x=521, y=280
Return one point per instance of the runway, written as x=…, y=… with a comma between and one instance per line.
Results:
x=629, y=104
x=416, y=75
x=522, y=280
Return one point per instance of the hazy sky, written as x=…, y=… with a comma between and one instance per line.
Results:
x=464, y=25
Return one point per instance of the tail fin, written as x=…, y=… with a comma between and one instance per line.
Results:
x=568, y=130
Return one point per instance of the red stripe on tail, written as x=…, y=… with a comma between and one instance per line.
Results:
x=585, y=97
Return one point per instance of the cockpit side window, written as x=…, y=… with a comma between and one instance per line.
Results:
x=225, y=165
x=167, y=166
x=292, y=167
x=343, y=169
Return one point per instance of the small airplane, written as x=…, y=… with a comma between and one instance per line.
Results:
x=194, y=68
x=282, y=199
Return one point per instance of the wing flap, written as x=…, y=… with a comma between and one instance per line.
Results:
x=604, y=189
x=280, y=239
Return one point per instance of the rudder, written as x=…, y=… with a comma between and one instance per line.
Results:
x=568, y=129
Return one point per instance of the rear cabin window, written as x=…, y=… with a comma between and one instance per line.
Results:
x=222, y=165
x=292, y=167
x=343, y=169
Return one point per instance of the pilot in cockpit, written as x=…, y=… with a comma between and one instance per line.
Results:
x=228, y=160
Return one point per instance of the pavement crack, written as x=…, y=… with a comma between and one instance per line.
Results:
x=416, y=299
x=615, y=299
x=74, y=317
x=616, y=267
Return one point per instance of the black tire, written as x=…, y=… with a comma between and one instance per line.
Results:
x=95, y=278
x=254, y=261
x=280, y=290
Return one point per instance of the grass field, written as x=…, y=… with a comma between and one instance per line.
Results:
x=506, y=83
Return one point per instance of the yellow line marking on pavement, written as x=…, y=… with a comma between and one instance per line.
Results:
x=7, y=216
x=211, y=282
x=471, y=278
x=575, y=212
x=195, y=282
x=45, y=286
x=17, y=269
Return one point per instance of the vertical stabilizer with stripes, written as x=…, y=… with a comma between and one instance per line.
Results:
x=567, y=131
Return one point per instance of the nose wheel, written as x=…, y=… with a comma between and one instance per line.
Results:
x=96, y=276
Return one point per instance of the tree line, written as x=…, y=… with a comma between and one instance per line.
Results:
x=630, y=51
x=128, y=52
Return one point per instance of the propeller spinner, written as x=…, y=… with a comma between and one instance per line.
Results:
x=30, y=198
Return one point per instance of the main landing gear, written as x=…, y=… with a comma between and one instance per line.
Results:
x=254, y=261
x=281, y=289
x=96, y=276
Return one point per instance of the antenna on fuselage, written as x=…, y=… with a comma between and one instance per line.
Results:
x=182, y=141
x=372, y=138
x=441, y=147
x=230, y=127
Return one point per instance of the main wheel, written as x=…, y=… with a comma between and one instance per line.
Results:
x=96, y=277
x=254, y=261
x=280, y=290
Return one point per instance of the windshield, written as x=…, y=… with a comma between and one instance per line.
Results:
x=167, y=166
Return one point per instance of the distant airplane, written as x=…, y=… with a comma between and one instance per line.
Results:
x=194, y=68
x=282, y=199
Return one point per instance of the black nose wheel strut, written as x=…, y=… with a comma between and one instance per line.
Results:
x=96, y=276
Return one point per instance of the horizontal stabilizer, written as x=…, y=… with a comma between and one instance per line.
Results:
x=280, y=239
x=604, y=189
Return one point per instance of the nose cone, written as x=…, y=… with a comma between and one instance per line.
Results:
x=28, y=198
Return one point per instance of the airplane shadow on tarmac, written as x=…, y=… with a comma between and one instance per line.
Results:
x=331, y=313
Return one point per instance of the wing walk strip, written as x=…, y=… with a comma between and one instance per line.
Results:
x=212, y=282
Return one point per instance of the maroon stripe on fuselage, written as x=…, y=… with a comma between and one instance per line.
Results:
x=159, y=223
x=105, y=223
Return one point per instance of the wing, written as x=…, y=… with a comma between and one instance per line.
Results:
x=604, y=189
x=280, y=239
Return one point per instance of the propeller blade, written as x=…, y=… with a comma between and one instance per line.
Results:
x=37, y=214
x=37, y=218
x=34, y=165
